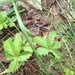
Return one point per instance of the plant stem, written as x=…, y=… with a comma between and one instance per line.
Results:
x=24, y=29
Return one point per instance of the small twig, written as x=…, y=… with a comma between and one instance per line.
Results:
x=10, y=32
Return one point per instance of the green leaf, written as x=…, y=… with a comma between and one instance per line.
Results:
x=8, y=47
x=1, y=26
x=14, y=65
x=13, y=48
x=8, y=56
x=3, y=16
x=56, y=53
x=56, y=45
x=5, y=21
x=50, y=38
x=27, y=48
x=41, y=41
x=42, y=51
x=11, y=24
x=24, y=56
x=17, y=43
x=13, y=19
x=5, y=25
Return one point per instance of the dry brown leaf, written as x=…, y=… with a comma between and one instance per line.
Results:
x=2, y=58
x=26, y=22
x=44, y=21
x=49, y=3
x=30, y=67
x=36, y=4
x=55, y=9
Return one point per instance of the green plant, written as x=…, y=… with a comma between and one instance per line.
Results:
x=5, y=21
x=13, y=51
x=49, y=45
x=68, y=71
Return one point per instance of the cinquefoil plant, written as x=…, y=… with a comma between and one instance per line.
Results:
x=5, y=21
x=13, y=51
x=49, y=45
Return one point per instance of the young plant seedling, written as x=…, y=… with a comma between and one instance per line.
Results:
x=49, y=45
x=13, y=49
x=5, y=21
